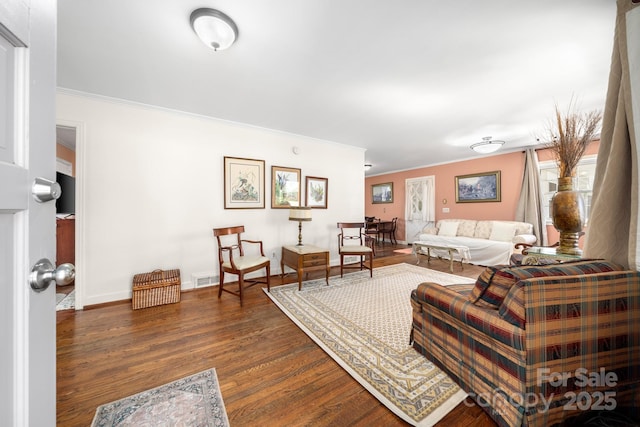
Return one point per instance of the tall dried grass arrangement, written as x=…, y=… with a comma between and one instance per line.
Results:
x=570, y=135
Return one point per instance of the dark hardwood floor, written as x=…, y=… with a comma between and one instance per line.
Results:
x=270, y=372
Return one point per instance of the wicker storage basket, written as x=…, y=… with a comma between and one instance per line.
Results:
x=156, y=288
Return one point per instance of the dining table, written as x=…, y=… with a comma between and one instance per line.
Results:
x=379, y=227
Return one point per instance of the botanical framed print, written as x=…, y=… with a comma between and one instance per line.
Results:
x=478, y=187
x=382, y=193
x=316, y=192
x=285, y=187
x=243, y=183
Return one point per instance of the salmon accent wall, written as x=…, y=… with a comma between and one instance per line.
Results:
x=510, y=165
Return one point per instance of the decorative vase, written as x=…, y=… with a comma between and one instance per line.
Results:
x=568, y=214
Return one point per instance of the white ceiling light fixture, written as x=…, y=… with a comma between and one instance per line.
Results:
x=367, y=166
x=215, y=29
x=487, y=146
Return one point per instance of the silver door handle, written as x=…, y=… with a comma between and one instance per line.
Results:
x=44, y=272
x=44, y=190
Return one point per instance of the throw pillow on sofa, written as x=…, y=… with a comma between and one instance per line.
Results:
x=491, y=287
x=483, y=230
x=494, y=283
x=448, y=228
x=502, y=231
x=467, y=228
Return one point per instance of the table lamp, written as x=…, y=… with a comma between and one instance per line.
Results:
x=299, y=213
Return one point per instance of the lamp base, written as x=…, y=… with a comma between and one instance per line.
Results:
x=299, y=234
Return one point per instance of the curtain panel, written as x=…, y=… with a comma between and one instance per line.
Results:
x=613, y=225
x=530, y=203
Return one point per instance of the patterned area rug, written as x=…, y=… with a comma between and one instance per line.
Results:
x=364, y=323
x=190, y=401
x=66, y=302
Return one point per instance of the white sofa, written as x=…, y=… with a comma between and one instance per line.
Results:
x=489, y=242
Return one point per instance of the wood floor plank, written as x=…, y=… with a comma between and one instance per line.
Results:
x=270, y=372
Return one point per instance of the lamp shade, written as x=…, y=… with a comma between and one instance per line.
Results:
x=215, y=29
x=487, y=146
x=300, y=213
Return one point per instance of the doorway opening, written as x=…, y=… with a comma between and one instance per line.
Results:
x=420, y=205
x=65, y=210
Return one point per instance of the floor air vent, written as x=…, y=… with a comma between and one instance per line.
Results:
x=205, y=279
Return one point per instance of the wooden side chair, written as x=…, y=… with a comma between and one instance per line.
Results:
x=372, y=227
x=233, y=260
x=389, y=229
x=353, y=241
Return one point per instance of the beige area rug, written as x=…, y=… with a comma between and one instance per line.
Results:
x=191, y=401
x=364, y=324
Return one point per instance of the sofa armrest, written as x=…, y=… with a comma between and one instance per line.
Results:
x=429, y=298
x=529, y=239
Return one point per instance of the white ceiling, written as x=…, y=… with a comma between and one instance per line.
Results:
x=415, y=82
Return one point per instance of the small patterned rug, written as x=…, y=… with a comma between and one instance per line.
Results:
x=191, y=401
x=364, y=323
x=66, y=302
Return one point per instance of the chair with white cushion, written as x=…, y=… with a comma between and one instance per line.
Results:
x=232, y=259
x=353, y=241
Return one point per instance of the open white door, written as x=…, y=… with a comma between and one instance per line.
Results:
x=27, y=227
x=420, y=208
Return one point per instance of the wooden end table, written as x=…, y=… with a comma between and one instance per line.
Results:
x=304, y=259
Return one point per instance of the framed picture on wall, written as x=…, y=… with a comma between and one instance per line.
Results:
x=316, y=192
x=382, y=193
x=478, y=187
x=285, y=187
x=243, y=183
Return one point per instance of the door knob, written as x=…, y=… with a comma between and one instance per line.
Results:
x=44, y=190
x=43, y=273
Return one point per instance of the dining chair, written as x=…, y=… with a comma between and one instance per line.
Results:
x=372, y=227
x=232, y=259
x=389, y=228
x=353, y=241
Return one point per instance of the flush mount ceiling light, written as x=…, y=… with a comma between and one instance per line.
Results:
x=487, y=146
x=367, y=166
x=215, y=29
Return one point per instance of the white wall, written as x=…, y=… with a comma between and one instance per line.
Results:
x=152, y=190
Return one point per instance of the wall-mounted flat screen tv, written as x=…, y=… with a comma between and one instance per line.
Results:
x=66, y=204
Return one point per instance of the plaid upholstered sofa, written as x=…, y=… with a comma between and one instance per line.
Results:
x=534, y=345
